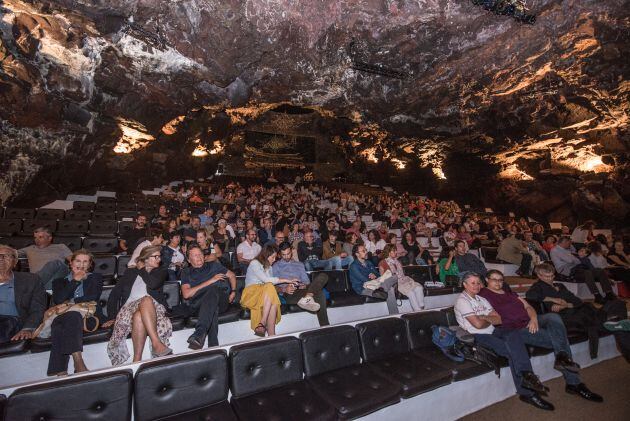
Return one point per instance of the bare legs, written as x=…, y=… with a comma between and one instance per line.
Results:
x=79, y=364
x=144, y=323
x=269, y=312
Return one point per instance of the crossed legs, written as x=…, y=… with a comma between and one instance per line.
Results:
x=144, y=324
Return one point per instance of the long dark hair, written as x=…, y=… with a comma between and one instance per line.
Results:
x=267, y=250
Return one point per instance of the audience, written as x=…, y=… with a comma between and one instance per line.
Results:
x=247, y=250
x=362, y=270
x=310, y=253
x=476, y=315
x=333, y=251
x=137, y=305
x=130, y=238
x=406, y=285
x=22, y=299
x=45, y=259
x=468, y=262
x=545, y=331
x=306, y=294
x=155, y=237
x=208, y=288
x=260, y=296
x=172, y=257
x=513, y=249
x=80, y=286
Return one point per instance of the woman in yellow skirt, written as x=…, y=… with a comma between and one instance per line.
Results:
x=260, y=295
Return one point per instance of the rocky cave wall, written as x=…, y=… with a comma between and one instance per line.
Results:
x=533, y=116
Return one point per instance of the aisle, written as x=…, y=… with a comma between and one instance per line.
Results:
x=611, y=379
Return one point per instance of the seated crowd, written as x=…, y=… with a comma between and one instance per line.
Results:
x=257, y=249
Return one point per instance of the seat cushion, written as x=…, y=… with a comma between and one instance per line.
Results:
x=414, y=374
x=461, y=371
x=294, y=401
x=221, y=411
x=356, y=391
x=12, y=348
x=345, y=298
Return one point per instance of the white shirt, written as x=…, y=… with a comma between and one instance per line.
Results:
x=563, y=260
x=178, y=257
x=579, y=235
x=136, y=253
x=599, y=262
x=468, y=306
x=372, y=247
x=248, y=252
x=138, y=290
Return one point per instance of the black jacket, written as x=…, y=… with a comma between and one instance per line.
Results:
x=154, y=280
x=92, y=289
x=30, y=299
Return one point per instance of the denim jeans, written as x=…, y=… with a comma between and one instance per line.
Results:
x=509, y=343
x=315, y=264
x=338, y=262
x=51, y=271
x=551, y=334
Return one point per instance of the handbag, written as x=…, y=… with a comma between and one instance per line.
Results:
x=86, y=309
x=373, y=284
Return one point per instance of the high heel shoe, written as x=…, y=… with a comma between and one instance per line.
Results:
x=260, y=330
x=167, y=351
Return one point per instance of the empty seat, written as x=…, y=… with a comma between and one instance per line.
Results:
x=266, y=383
x=105, y=206
x=103, y=216
x=341, y=294
x=31, y=225
x=420, y=333
x=490, y=254
x=78, y=227
x=121, y=265
x=172, y=295
x=78, y=214
x=8, y=349
x=17, y=242
x=124, y=226
x=332, y=360
x=9, y=227
x=120, y=215
x=79, y=205
x=101, y=244
x=19, y=213
x=126, y=206
x=420, y=274
x=385, y=347
x=103, y=227
x=106, y=266
x=73, y=243
x=44, y=213
x=105, y=396
x=188, y=387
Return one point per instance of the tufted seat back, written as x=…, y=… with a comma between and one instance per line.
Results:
x=73, y=243
x=419, y=327
x=73, y=227
x=104, y=298
x=54, y=214
x=169, y=387
x=104, y=396
x=100, y=244
x=171, y=293
x=105, y=265
x=259, y=366
x=383, y=338
x=330, y=349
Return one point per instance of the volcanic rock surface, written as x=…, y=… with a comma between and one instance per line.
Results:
x=93, y=92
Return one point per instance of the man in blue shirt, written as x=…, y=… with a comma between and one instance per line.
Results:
x=308, y=295
x=363, y=270
x=208, y=288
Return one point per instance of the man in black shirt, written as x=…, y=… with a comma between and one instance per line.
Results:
x=132, y=237
x=310, y=253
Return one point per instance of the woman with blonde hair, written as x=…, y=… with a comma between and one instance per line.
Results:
x=260, y=295
x=137, y=305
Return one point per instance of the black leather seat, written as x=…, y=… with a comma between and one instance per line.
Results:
x=188, y=387
x=12, y=348
x=74, y=243
x=103, y=227
x=31, y=225
x=124, y=226
x=78, y=227
x=105, y=206
x=122, y=214
x=3, y=401
x=332, y=363
x=53, y=214
x=341, y=295
x=18, y=242
x=19, y=213
x=385, y=347
x=80, y=205
x=121, y=265
x=105, y=396
x=232, y=314
x=103, y=216
x=172, y=293
x=106, y=266
x=419, y=331
x=266, y=383
x=100, y=245
x=9, y=227
x=78, y=214
x=490, y=254
x=126, y=206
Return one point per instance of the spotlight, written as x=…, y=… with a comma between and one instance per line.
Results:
x=514, y=8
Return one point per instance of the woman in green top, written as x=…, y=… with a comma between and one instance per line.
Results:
x=447, y=264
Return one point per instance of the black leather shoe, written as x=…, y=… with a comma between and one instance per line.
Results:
x=532, y=382
x=564, y=362
x=538, y=402
x=583, y=391
x=195, y=342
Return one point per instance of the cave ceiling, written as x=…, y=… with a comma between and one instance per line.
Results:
x=94, y=78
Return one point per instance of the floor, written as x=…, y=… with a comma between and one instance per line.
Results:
x=611, y=379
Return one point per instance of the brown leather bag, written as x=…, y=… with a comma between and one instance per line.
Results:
x=86, y=309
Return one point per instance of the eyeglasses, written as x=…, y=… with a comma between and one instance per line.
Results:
x=156, y=256
x=496, y=279
x=7, y=257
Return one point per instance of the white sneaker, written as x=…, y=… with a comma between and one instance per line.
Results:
x=308, y=304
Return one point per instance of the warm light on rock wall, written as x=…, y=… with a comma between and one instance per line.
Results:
x=134, y=136
x=437, y=171
x=200, y=151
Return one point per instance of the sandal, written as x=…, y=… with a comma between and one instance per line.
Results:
x=259, y=332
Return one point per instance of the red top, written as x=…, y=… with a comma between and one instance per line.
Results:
x=509, y=307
